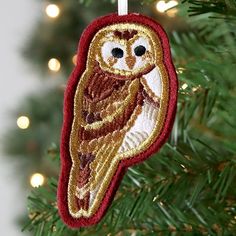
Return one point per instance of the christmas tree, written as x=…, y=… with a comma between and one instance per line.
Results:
x=189, y=186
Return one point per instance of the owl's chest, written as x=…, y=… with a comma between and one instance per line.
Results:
x=142, y=128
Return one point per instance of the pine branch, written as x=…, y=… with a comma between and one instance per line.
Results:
x=226, y=8
x=148, y=202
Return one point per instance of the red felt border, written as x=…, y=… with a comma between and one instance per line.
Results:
x=66, y=163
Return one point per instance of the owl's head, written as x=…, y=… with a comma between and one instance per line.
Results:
x=126, y=49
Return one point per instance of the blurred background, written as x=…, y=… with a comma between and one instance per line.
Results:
x=17, y=80
x=38, y=52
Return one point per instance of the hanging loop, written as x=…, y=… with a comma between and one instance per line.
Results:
x=122, y=7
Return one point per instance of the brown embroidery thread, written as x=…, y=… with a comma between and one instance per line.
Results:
x=106, y=155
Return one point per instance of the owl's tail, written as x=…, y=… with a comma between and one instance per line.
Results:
x=92, y=171
x=83, y=179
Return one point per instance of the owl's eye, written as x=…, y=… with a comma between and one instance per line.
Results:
x=117, y=52
x=139, y=50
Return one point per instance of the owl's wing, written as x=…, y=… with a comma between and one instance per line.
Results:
x=107, y=105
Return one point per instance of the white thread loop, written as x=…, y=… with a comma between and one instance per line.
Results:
x=122, y=7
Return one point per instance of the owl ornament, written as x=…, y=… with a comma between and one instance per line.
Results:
x=119, y=109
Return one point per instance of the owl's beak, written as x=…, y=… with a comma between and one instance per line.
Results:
x=130, y=61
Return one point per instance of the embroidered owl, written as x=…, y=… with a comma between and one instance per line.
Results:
x=120, y=111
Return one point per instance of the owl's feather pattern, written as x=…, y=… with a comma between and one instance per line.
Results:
x=100, y=94
x=101, y=86
x=100, y=89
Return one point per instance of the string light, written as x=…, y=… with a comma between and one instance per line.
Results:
x=54, y=65
x=23, y=122
x=74, y=59
x=52, y=10
x=37, y=180
x=163, y=6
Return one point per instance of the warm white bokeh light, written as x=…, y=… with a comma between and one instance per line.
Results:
x=54, y=65
x=37, y=180
x=23, y=122
x=163, y=6
x=52, y=10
